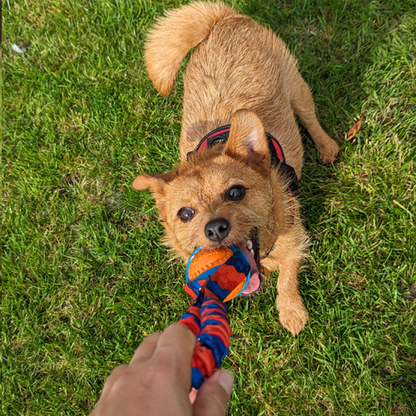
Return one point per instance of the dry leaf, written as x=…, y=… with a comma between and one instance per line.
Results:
x=354, y=129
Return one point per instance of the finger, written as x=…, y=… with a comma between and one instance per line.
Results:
x=175, y=347
x=113, y=377
x=116, y=373
x=109, y=383
x=146, y=349
x=214, y=394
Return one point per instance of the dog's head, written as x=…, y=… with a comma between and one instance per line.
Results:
x=222, y=196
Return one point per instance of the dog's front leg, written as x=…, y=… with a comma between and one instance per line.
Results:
x=293, y=314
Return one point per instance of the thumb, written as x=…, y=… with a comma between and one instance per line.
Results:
x=214, y=394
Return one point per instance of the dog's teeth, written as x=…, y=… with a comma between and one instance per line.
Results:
x=249, y=244
x=252, y=252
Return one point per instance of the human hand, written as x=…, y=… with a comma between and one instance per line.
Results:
x=158, y=380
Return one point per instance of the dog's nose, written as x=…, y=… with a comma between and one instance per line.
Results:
x=218, y=229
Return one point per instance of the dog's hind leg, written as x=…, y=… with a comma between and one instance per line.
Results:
x=302, y=104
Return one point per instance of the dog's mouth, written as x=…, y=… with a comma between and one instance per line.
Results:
x=251, y=249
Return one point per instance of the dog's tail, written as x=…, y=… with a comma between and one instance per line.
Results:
x=175, y=35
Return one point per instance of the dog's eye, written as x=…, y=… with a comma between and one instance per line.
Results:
x=186, y=214
x=236, y=192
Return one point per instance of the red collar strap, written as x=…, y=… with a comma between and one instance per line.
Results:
x=278, y=160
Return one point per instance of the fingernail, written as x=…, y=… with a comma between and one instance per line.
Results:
x=226, y=380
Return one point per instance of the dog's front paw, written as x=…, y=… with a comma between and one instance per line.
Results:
x=329, y=152
x=293, y=315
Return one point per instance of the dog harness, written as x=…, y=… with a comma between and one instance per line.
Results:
x=278, y=160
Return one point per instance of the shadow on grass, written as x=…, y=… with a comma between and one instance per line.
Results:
x=340, y=48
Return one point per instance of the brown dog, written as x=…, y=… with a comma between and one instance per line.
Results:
x=237, y=186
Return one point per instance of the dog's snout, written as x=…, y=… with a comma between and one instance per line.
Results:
x=218, y=229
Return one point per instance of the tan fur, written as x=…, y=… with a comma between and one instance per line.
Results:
x=239, y=73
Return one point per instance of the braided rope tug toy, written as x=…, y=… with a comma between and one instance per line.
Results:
x=212, y=278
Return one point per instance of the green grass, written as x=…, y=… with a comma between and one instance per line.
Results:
x=85, y=276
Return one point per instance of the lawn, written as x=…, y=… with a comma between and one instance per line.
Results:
x=85, y=274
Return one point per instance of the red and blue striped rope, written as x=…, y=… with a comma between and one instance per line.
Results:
x=208, y=319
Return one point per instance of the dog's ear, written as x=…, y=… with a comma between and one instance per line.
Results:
x=156, y=182
x=248, y=138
